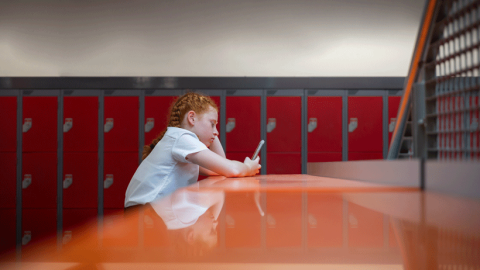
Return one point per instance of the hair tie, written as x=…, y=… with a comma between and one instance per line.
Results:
x=152, y=146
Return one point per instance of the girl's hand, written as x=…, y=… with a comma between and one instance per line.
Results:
x=253, y=166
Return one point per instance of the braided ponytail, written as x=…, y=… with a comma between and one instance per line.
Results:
x=188, y=102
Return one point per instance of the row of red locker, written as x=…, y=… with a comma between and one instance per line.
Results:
x=80, y=127
x=325, y=224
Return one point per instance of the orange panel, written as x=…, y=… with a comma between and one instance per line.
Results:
x=325, y=220
x=284, y=220
x=243, y=220
x=120, y=229
x=365, y=227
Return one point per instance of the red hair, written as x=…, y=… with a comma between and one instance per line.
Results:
x=188, y=102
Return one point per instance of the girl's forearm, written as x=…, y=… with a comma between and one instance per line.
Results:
x=217, y=148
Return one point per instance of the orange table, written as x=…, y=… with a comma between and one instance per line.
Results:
x=280, y=221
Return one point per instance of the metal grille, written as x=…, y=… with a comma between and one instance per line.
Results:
x=452, y=84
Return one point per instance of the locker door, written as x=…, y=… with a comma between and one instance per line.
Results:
x=39, y=184
x=7, y=230
x=393, y=104
x=240, y=156
x=284, y=163
x=243, y=220
x=75, y=222
x=121, y=124
x=284, y=116
x=156, y=115
x=80, y=124
x=119, y=169
x=80, y=180
x=324, y=124
x=325, y=220
x=39, y=124
x=365, y=124
x=38, y=225
x=8, y=176
x=284, y=220
x=243, y=124
x=365, y=227
x=8, y=122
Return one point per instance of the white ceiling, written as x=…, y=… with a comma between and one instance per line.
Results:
x=208, y=38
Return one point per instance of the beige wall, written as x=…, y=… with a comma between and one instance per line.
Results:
x=208, y=38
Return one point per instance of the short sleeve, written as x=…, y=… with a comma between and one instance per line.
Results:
x=186, y=144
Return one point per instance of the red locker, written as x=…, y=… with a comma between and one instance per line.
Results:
x=365, y=124
x=284, y=220
x=284, y=117
x=242, y=219
x=239, y=156
x=365, y=227
x=118, y=170
x=39, y=124
x=75, y=222
x=243, y=124
x=39, y=180
x=156, y=115
x=80, y=180
x=80, y=124
x=325, y=220
x=8, y=176
x=38, y=225
x=8, y=122
x=284, y=163
x=7, y=230
x=324, y=157
x=324, y=125
x=393, y=104
x=364, y=156
x=121, y=124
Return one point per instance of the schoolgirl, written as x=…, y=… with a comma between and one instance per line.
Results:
x=188, y=146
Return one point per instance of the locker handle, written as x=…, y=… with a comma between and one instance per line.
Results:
x=27, y=236
x=68, y=181
x=391, y=126
x=312, y=124
x=271, y=124
x=27, y=124
x=353, y=124
x=149, y=125
x=108, y=181
x=108, y=125
x=68, y=124
x=230, y=125
x=27, y=181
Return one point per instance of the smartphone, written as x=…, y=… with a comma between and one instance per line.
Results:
x=255, y=154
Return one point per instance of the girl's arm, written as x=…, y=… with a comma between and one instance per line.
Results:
x=215, y=147
x=229, y=168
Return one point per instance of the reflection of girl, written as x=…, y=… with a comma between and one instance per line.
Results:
x=191, y=217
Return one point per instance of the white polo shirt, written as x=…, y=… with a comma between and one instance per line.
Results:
x=165, y=169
